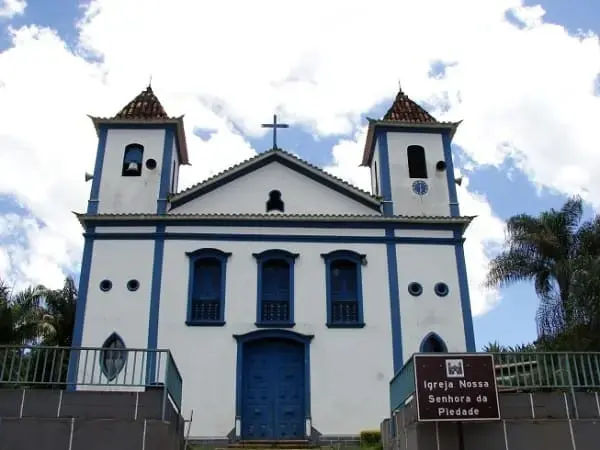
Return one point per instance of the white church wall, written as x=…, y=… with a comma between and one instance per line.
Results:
x=118, y=310
x=428, y=265
x=174, y=168
x=129, y=229
x=375, y=170
x=119, y=194
x=438, y=234
x=249, y=194
x=347, y=365
x=279, y=231
x=405, y=201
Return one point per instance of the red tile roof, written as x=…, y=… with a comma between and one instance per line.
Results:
x=145, y=106
x=405, y=110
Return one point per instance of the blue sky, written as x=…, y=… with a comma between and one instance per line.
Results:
x=509, y=185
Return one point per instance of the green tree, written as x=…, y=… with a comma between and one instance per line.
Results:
x=19, y=315
x=58, y=318
x=560, y=254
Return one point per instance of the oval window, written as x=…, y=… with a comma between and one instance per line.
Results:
x=113, y=356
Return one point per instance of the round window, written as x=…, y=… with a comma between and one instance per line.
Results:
x=415, y=289
x=133, y=285
x=105, y=285
x=441, y=289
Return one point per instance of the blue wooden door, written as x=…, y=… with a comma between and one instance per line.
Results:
x=273, y=390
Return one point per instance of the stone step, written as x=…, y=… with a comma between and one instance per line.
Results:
x=289, y=445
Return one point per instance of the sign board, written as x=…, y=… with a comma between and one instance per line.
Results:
x=456, y=387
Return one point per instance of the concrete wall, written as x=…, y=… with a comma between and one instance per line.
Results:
x=530, y=421
x=60, y=420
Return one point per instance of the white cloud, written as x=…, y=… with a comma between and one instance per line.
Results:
x=11, y=8
x=522, y=91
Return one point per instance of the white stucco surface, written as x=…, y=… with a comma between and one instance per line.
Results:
x=249, y=194
x=119, y=194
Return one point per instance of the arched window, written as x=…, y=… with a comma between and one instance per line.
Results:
x=275, y=203
x=275, y=302
x=433, y=343
x=206, y=305
x=344, y=289
x=132, y=160
x=417, y=165
x=113, y=356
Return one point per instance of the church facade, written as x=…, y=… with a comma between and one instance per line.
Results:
x=288, y=297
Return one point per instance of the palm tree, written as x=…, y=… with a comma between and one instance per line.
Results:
x=19, y=314
x=58, y=319
x=548, y=250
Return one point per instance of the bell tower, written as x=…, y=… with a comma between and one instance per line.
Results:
x=140, y=151
x=409, y=154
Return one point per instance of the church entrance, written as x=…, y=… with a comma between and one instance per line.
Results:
x=273, y=390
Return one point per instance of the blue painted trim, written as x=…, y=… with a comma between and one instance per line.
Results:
x=165, y=173
x=394, y=294
x=391, y=241
x=281, y=222
x=435, y=336
x=465, y=298
x=153, y=317
x=146, y=126
x=359, y=260
x=95, y=191
x=255, y=335
x=452, y=191
x=385, y=175
x=194, y=257
x=380, y=128
x=241, y=237
x=84, y=282
x=261, y=259
x=281, y=159
x=114, y=335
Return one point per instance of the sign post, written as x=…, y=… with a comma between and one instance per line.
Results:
x=456, y=387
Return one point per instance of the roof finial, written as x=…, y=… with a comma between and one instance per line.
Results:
x=150, y=82
x=399, y=85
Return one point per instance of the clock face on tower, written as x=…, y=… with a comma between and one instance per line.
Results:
x=420, y=187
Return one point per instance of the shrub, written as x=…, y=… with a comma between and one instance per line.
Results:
x=370, y=438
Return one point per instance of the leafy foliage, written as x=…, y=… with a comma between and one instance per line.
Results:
x=560, y=254
x=36, y=321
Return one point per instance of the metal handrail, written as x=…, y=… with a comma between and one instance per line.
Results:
x=521, y=371
x=90, y=368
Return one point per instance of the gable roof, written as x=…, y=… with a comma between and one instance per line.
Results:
x=404, y=113
x=146, y=109
x=287, y=159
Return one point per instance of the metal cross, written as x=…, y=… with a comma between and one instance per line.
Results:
x=275, y=125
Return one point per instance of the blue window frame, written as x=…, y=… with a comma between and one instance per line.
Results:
x=206, y=292
x=275, y=288
x=344, y=288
